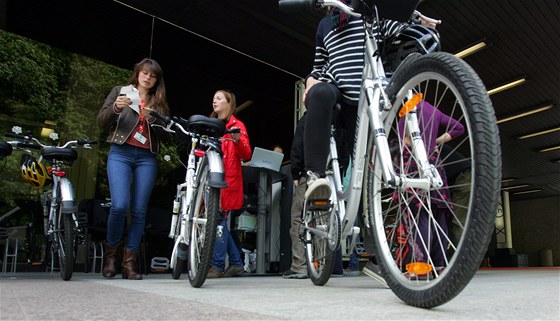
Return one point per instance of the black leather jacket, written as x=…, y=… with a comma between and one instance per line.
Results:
x=123, y=123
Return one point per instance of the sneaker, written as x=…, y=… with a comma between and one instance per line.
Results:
x=349, y=272
x=294, y=275
x=317, y=188
x=233, y=271
x=214, y=273
x=373, y=271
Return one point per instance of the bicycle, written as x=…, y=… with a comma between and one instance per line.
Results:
x=196, y=207
x=391, y=184
x=62, y=225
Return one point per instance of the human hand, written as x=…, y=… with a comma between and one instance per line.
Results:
x=310, y=82
x=427, y=24
x=146, y=113
x=121, y=102
x=235, y=136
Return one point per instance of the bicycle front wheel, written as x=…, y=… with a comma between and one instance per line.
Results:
x=203, y=224
x=66, y=235
x=429, y=244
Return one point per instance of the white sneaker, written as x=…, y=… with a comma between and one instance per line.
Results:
x=317, y=188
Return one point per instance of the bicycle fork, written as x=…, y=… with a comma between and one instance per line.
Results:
x=429, y=177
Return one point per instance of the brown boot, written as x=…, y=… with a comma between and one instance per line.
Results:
x=130, y=266
x=112, y=259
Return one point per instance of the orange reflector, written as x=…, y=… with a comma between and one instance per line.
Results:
x=410, y=104
x=419, y=268
x=320, y=203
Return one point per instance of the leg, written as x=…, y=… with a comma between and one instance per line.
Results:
x=320, y=103
x=220, y=248
x=298, y=254
x=145, y=173
x=119, y=172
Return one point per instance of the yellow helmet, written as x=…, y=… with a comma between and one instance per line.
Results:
x=34, y=172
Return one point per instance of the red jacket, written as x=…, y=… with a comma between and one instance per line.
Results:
x=232, y=196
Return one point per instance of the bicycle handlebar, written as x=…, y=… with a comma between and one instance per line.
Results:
x=293, y=6
x=83, y=143
x=170, y=121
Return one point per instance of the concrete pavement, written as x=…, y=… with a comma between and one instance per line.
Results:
x=493, y=294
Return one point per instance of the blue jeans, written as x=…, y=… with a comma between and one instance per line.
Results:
x=225, y=244
x=127, y=164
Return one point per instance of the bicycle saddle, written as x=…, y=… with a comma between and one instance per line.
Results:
x=206, y=126
x=61, y=154
x=5, y=149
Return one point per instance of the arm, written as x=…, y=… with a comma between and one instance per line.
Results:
x=109, y=112
x=243, y=145
x=451, y=127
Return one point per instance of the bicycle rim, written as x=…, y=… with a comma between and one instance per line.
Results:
x=319, y=256
x=66, y=248
x=203, y=229
x=429, y=245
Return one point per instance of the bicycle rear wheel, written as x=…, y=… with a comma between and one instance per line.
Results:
x=319, y=253
x=203, y=228
x=424, y=265
x=66, y=236
x=178, y=264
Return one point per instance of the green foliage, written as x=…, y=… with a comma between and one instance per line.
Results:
x=44, y=87
x=33, y=78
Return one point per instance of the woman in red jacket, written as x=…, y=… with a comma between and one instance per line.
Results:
x=236, y=147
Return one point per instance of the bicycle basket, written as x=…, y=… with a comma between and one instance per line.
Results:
x=399, y=10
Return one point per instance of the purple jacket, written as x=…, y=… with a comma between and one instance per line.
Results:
x=433, y=123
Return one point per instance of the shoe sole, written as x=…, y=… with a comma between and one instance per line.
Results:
x=297, y=277
x=322, y=191
x=376, y=277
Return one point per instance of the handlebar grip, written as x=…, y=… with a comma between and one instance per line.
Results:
x=296, y=6
x=86, y=142
x=164, y=119
x=19, y=136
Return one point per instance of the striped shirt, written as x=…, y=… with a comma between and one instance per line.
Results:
x=339, y=55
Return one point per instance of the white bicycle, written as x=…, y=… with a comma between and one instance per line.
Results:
x=196, y=207
x=397, y=196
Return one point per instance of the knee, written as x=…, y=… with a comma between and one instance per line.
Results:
x=323, y=92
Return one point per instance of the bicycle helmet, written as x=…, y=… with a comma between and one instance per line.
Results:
x=34, y=172
x=415, y=38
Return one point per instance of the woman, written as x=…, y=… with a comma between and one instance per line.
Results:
x=132, y=157
x=235, y=147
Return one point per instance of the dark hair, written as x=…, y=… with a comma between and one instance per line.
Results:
x=230, y=98
x=157, y=97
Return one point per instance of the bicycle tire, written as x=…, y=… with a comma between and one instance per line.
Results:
x=389, y=209
x=318, y=252
x=66, y=235
x=203, y=223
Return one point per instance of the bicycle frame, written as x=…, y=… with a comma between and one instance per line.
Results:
x=187, y=189
x=61, y=195
x=373, y=103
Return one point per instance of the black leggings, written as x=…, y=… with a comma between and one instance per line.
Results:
x=320, y=102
